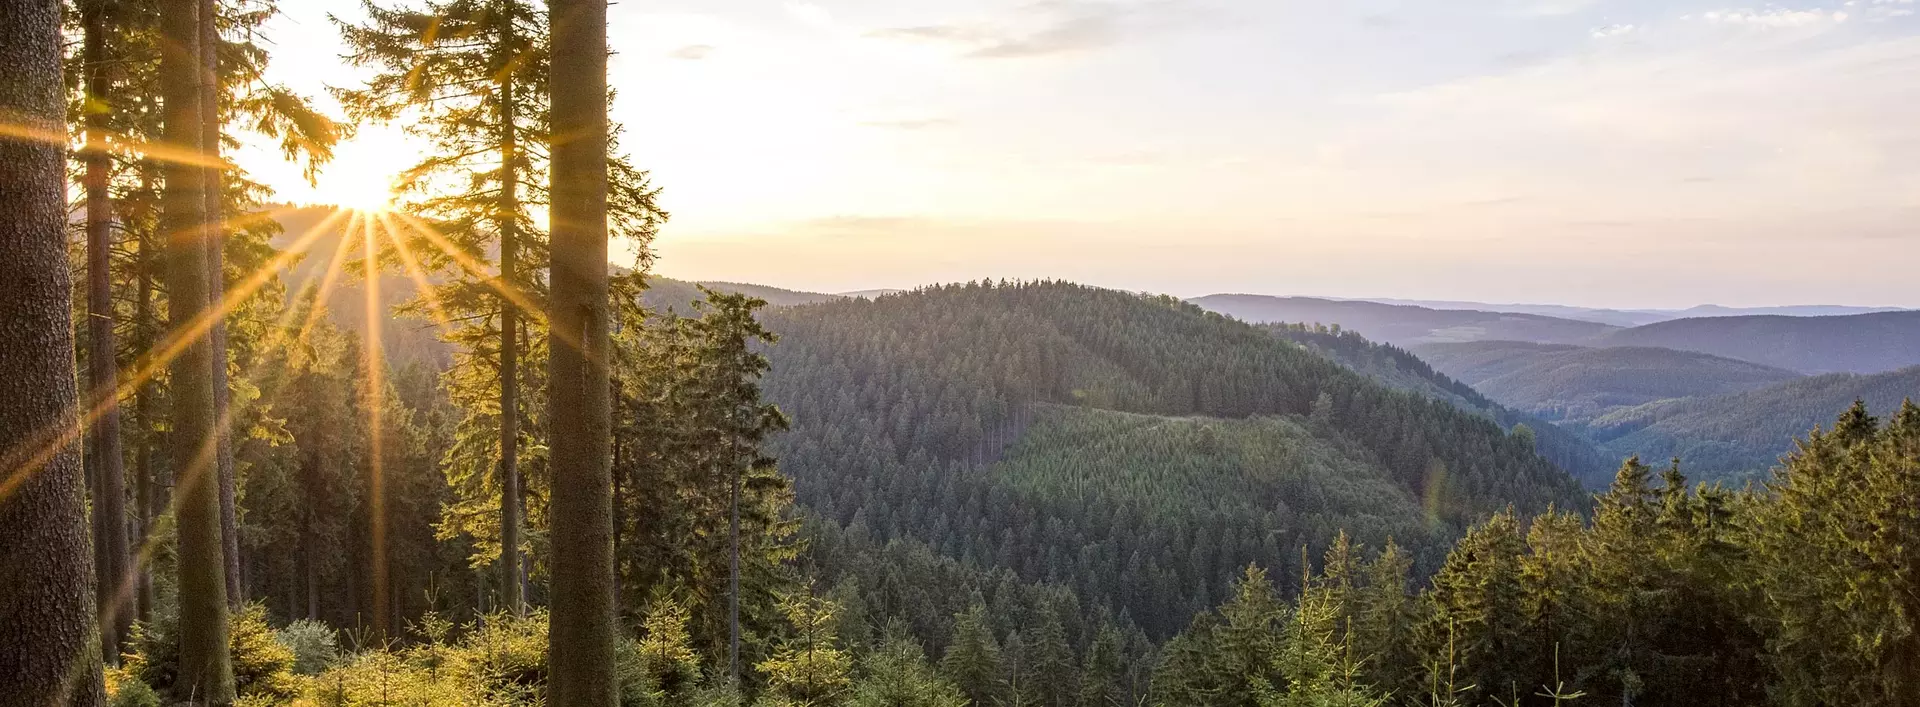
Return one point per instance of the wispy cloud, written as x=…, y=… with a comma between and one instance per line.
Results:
x=1608, y=31
x=908, y=123
x=1048, y=28
x=1773, y=17
x=1548, y=8
x=692, y=52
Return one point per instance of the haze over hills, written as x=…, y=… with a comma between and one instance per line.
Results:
x=1860, y=343
x=1563, y=382
x=1403, y=324
x=1636, y=317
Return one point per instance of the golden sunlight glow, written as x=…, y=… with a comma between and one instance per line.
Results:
x=365, y=194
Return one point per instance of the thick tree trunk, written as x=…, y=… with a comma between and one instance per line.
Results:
x=216, y=291
x=512, y=582
x=206, y=668
x=47, y=617
x=581, y=635
x=103, y=438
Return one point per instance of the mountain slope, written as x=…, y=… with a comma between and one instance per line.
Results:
x=1399, y=369
x=1860, y=343
x=1560, y=382
x=1744, y=433
x=948, y=415
x=1403, y=324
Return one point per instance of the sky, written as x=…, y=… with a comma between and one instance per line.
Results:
x=1614, y=153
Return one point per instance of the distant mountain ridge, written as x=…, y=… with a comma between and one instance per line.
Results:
x=1859, y=343
x=1563, y=382
x=1402, y=325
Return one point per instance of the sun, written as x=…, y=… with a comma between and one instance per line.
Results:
x=370, y=195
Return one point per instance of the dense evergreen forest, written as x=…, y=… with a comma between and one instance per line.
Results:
x=225, y=484
x=1398, y=368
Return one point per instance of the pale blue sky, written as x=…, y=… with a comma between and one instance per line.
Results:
x=1600, y=152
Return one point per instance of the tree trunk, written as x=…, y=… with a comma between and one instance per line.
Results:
x=206, y=668
x=146, y=501
x=581, y=635
x=512, y=583
x=146, y=507
x=103, y=437
x=216, y=291
x=46, y=607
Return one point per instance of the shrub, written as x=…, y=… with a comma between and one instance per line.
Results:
x=126, y=690
x=262, y=667
x=315, y=646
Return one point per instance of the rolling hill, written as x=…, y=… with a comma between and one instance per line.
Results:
x=1859, y=343
x=1404, y=325
x=1139, y=440
x=1573, y=383
x=1397, y=368
x=1742, y=434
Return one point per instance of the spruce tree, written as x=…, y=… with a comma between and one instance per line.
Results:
x=46, y=602
x=105, y=466
x=579, y=401
x=206, y=668
x=973, y=656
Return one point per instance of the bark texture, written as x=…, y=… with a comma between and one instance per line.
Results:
x=46, y=597
x=216, y=291
x=104, y=464
x=206, y=668
x=581, y=635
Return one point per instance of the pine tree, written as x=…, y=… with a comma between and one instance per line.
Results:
x=46, y=602
x=973, y=656
x=105, y=466
x=1055, y=675
x=897, y=675
x=809, y=668
x=205, y=665
x=579, y=341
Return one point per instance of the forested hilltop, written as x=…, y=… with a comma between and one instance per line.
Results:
x=985, y=420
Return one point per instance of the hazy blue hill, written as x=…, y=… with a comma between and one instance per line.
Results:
x=1613, y=317
x=1404, y=324
x=1860, y=343
x=1733, y=435
x=1573, y=383
x=1794, y=310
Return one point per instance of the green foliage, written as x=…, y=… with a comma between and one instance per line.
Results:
x=124, y=689
x=986, y=422
x=1399, y=369
x=689, y=423
x=896, y=674
x=314, y=645
x=1739, y=437
x=809, y=667
x=262, y=666
x=665, y=653
x=972, y=661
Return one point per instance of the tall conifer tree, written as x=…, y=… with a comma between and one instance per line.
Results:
x=46, y=607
